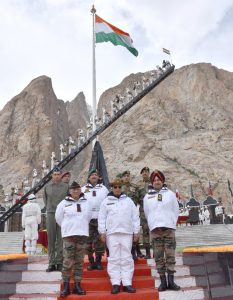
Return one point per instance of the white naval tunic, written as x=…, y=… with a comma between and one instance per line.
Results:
x=119, y=219
x=95, y=194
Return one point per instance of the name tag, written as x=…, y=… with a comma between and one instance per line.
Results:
x=78, y=207
x=160, y=197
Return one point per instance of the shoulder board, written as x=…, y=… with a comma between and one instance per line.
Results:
x=111, y=203
x=68, y=204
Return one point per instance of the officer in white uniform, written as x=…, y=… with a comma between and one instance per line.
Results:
x=95, y=192
x=31, y=217
x=119, y=225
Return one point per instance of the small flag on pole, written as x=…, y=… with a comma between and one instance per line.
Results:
x=106, y=32
x=166, y=51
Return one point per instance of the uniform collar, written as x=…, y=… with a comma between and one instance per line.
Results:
x=69, y=198
x=89, y=185
x=112, y=197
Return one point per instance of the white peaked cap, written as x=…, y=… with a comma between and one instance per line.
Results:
x=31, y=197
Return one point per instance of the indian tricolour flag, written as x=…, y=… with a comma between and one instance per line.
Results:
x=106, y=32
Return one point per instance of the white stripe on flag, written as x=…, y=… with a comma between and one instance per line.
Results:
x=166, y=51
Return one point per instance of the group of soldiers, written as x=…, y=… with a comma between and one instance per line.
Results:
x=92, y=220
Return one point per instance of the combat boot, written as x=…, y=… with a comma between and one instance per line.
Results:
x=163, y=284
x=134, y=255
x=66, y=290
x=148, y=256
x=91, y=266
x=98, y=262
x=78, y=290
x=139, y=253
x=171, y=283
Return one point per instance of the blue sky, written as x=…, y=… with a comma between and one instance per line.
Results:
x=54, y=38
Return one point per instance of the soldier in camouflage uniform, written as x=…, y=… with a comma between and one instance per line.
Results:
x=73, y=215
x=161, y=210
x=143, y=189
x=132, y=191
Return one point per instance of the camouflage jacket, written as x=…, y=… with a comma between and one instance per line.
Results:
x=132, y=191
x=143, y=190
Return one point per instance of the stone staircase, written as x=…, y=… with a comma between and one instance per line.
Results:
x=11, y=242
x=191, y=276
x=203, y=236
x=26, y=279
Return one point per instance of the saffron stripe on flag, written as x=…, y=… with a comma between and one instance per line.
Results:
x=166, y=51
x=106, y=32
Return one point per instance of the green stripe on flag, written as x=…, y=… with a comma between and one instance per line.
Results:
x=115, y=39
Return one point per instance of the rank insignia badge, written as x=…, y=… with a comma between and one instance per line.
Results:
x=160, y=197
x=86, y=191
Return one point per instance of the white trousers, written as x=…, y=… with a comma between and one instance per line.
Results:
x=30, y=246
x=31, y=228
x=120, y=263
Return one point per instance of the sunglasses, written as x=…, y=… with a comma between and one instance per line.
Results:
x=117, y=186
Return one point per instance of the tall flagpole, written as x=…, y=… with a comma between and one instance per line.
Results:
x=93, y=11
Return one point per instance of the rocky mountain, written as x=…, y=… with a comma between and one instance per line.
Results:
x=182, y=127
x=32, y=125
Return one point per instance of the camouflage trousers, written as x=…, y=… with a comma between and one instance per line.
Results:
x=94, y=244
x=145, y=231
x=74, y=248
x=164, y=245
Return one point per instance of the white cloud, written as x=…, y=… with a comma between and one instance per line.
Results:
x=54, y=38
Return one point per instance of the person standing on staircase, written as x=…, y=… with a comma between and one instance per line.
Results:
x=54, y=193
x=65, y=177
x=73, y=215
x=162, y=210
x=95, y=192
x=132, y=191
x=143, y=190
x=31, y=218
x=119, y=225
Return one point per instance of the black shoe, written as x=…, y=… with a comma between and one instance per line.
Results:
x=66, y=290
x=115, y=289
x=148, y=255
x=78, y=290
x=59, y=267
x=171, y=284
x=98, y=264
x=134, y=255
x=51, y=268
x=163, y=284
x=129, y=289
x=91, y=266
x=139, y=253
